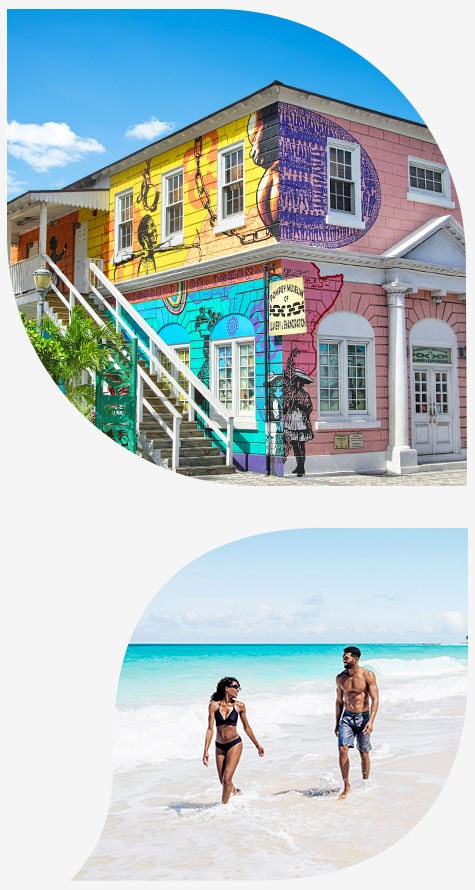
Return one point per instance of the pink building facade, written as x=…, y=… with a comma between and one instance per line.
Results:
x=385, y=347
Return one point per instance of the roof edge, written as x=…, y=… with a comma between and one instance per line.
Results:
x=275, y=86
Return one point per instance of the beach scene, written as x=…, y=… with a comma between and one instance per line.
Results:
x=166, y=820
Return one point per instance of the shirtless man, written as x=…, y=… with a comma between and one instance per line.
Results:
x=355, y=686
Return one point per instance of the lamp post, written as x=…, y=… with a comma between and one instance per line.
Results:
x=42, y=282
x=269, y=272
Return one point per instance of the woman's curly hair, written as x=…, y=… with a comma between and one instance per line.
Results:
x=220, y=691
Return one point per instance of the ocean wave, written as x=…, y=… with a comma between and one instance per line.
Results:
x=399, y=668
x=155, y=733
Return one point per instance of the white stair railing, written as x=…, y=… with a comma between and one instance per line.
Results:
x=75, y=296
x=157, y=346
x=21, y=275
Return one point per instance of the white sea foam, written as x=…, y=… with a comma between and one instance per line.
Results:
x=156, y=733
x=399, y=668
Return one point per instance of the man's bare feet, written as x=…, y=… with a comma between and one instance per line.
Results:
x=344, y=793
x=236, y=790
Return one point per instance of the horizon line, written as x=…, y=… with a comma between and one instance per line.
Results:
x=294, y=643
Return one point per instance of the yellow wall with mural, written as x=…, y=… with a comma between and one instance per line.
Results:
x=201, y=242
x=97, y=228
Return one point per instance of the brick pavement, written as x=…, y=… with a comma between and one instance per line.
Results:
x=457, y=476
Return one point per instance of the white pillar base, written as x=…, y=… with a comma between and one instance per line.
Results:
x=401, y=459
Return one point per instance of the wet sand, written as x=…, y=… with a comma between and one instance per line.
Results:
x=167, y=823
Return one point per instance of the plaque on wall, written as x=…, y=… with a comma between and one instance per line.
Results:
x=356, y=440
x=341, y=440
x=440, y=355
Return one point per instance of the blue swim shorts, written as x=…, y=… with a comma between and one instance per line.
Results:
x=352, y=725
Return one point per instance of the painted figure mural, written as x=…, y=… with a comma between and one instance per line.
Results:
x=57, y=256
x=297, y=408
x=148, y=187
x=148, y=239
x=262, y=129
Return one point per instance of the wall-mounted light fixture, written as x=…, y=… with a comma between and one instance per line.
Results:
x=462, y=352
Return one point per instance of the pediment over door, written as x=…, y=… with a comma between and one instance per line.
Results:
x=440, y=241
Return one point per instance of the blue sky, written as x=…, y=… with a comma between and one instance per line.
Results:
x=318, y=585
x=58, y=134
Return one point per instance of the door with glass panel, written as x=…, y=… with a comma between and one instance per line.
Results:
x=432, y=410
x=183, y=353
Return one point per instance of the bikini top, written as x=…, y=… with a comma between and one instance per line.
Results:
x=231, y=719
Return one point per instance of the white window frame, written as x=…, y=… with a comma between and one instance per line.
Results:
x=344, y=418
x=424, y=196
x=225, y=223
x=124, y=252
x=340, y=217
x=243, y=419
x=176, y=238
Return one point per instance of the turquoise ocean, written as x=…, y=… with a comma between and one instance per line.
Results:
x=165, y=820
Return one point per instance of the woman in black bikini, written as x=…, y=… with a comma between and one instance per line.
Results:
x=224, y=710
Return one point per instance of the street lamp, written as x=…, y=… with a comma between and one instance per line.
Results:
x=42, y=282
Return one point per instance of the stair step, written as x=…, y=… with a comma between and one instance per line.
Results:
x=205, y=472
x=153, y=426
x=187, y=453
x=200, y=460
x=201, y=445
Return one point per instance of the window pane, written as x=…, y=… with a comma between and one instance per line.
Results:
x=328, y=377
x=246, y=376
x=233, y=190
x=224, y=381
x=425, y=178
x=174, y=203
x=357, y=398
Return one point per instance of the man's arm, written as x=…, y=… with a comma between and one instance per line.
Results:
x=374, y=696
x=338, y=704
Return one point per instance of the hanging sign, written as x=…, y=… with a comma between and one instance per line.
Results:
x=439, y=355
x=287, y=307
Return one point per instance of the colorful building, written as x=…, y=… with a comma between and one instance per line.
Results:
x=196, y=231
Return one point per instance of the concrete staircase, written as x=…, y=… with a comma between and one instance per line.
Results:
x=198, y=455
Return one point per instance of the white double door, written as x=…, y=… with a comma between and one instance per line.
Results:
x=432, y=400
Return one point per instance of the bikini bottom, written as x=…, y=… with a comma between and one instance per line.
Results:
x=225, y=746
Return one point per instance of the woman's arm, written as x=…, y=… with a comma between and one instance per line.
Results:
x=209, y=731
x=248, y=730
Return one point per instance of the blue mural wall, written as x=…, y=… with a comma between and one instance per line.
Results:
x=209, y=311
x=303, y=201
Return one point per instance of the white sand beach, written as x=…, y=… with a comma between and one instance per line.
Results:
x=166, y=822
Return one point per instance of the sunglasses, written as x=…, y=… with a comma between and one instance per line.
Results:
x=233, y=686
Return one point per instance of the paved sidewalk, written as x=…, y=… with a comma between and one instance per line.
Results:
x=456, y=476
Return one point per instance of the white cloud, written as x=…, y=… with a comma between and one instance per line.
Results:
x=48, y=145
x=149, y=130
x=14, y=186
x=314, y=628
x=453, y=620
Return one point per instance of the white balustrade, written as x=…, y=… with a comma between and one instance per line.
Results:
x=21, y=275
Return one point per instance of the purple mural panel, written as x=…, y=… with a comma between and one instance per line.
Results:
x=303, y=200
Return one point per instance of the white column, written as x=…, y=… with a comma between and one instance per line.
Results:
x=400, y=456
x=43, y=229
